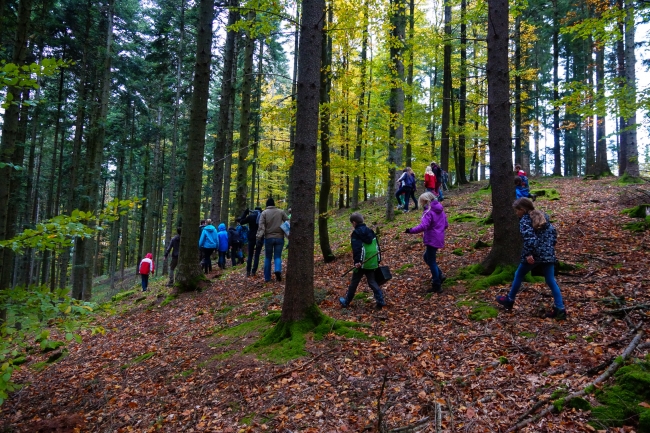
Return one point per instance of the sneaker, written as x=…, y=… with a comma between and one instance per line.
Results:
x=278, y=276
x=533, y=197
x=505, y=301
x=343, y=302
x=435, y=289
x=556, y=314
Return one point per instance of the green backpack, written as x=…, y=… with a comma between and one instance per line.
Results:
x=371, y=252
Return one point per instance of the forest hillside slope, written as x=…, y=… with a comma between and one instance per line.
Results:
x=179, y=363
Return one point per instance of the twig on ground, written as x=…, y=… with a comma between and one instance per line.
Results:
x=603, y=377
x=299, y=367
x=451, y=413
x=412, y=427
x=628, y=309
x=380, y=414
x=438, y=418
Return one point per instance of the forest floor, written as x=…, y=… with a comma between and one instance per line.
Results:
x=166, y=364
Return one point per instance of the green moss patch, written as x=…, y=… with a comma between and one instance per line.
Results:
x=640, y=211
x=458, y=252
x=167, y=300
x=123, y=295
x=638, y=226
x=626, y=179
x=138, y=359
x=547, y=194
x=286, y=340
x=620, y=401
x=464, y=218
x=483, y=312
x=404, y=268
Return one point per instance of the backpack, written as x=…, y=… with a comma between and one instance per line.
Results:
x=243, y=234
x=233, y=237
x=145, y=267
x=524, y=180
x=372, y=254
x=254, y=214
x=409, y=181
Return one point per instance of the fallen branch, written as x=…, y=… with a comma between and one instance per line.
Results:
x=618, y=362
x=628, y=309
x=412, y=427
x=277, y=376
x=380, y=414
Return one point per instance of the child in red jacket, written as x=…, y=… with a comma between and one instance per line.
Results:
x=146, y=267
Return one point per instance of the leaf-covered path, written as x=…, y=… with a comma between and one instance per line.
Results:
x=165, y=368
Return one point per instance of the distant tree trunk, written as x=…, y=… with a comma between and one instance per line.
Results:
x=225, y=204
x=557, y=155
x=622, y=119
x=189, y=271
x=462, y=117
x=171, y=186
x=116, y=225
x=258, y=121
x=326, y=183
x=507, y=243
x=632, y=152
x=245, y=120
x=227, y=88
x=85, y=248
x=602, y=167
x=299, y=291
x=8, y=148
x=361, y=106
x=409, y=86
x=396, y=103
x=446, y=90
x=517, y=93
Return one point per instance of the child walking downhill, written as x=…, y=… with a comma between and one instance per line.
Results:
x=146, y=267
x=366, y=255
x=433, y=224
x=540, y=238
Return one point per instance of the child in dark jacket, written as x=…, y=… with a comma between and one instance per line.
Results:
x=366, y=255
x=433, y=224
x=539, y=238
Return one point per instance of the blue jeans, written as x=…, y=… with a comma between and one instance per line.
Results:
x=272, y=246
x=145, y=281
x=430, y=259
x=549, y=276
x=222, y=259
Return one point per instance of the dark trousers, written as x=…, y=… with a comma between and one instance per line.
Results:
x=206, y=262
x=372, y=283
x=430, y=259
x=222, y=259
x=254, y=250
x=145, y=281
x=408, y=193
x=172, y=268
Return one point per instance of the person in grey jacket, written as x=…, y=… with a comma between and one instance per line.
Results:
x=269, y=229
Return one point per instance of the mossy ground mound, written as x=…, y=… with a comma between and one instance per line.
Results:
x=282, y=341
x=546, y=194
x=463, y=218
x=640, y=211
x=620, y=403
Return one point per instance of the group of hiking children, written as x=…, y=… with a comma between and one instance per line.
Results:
x=538, y=234
x=271, y=226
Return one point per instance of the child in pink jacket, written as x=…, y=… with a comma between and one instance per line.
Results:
x=433, y=225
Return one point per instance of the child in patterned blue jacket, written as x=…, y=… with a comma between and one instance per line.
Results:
x=539, y=238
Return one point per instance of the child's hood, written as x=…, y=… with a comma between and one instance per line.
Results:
x=364, y=233
x=148, y=256
x=222, y=227
x=209, y=228
x=436, y=206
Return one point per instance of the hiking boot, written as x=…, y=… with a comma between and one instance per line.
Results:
x=556, y=314
x=505, y=301
x=278, y=276
x=533, y=197
x=435, y=288
x=378, y=307
x=344, y=302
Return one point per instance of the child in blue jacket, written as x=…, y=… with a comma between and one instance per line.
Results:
x=224, y=245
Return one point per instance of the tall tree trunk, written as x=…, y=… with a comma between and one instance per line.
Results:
x=620, y=67
x=326, y=177
x=507, y=242
x=189, y=271
x=462, y=116
x=299, y=291
x=632, y=152
x=602, y=167
x=396, y=103
x=361, y=106
x=517, y=95
x=446, y=90
x=557, y=155
x=409, y=85
x=8, y=148
x=258, y=121
x=225, y=205
x=171, y=185
x=294, y=90
x=245, y=120
x=227, y=88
